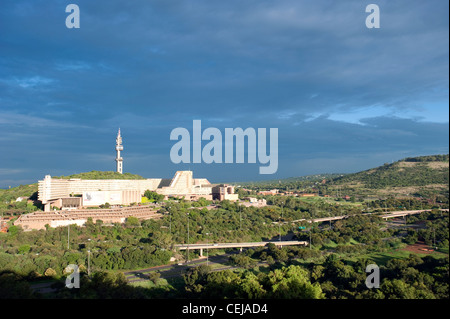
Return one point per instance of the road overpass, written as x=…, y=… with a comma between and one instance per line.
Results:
x=406, y=213
x=239, y=245
x=386, y=215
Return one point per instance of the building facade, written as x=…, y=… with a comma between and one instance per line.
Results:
x=77, y=193
x=55, y=191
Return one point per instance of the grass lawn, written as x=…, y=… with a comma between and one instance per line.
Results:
x=381, y=258
x=169, y=287
x=329, y=245
x=149, y=284
x=328, y=200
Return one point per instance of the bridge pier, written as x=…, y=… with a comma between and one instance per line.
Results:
x=201, y=252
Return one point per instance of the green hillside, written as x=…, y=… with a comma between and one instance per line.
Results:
x=103, y=175
x=291, y=183
x=413, y=171
x=8, y=195
x=422, y=176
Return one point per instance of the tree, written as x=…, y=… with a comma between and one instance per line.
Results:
x=13, y=230
x=222, y=284
x=250, y=287
x=12, y=286
x=195, y=278
x=397, y=289
x=162, y=240
x=317, y=272
x=153, y=196
x=105, y=205
x=132, y=222
x=24, y=249
x=243, y=261
x=50, y=272
x=154, y=277
x=292, y=282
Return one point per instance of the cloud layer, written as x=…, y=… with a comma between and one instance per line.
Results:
x=344, y=97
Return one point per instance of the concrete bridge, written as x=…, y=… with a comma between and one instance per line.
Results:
x=386, y=215
x=239, y=245
x=406, y=213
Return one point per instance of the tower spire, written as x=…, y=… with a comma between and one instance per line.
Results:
x=119, y=159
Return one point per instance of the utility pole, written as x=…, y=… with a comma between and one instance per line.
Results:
x=170, y=220
x=187, y=257
x=434, y=237
x=240, y=217
x=207, y=251
x=310, y=238
x=279, y=226
x=89, y=258
x=282, y=207
x=89, y=263
x=68, y=236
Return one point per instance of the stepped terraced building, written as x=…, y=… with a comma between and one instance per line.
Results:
x=72, y=195
x=39, y=220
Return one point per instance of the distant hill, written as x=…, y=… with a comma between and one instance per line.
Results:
x=27, y=191
x=418, y=176
x=412, y=171
x=290, y=183
x=315, y=177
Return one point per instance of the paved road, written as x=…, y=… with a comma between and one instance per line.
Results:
x=175, y=270
x=44, y=287
x=386, y=215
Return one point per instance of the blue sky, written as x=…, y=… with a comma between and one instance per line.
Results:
x=344, y=97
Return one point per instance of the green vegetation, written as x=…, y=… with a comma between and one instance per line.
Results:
x=333, y=266
x=153, y=196
x=102, y=175
x=428, y=158
x=290, y=282
x=9, y=195
x=333, y=278
x=399, y=175
x=290, y=272
x=424, y=176
x=10, y=207
x=291, y=183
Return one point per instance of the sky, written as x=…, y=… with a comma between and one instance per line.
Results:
x=344, y=97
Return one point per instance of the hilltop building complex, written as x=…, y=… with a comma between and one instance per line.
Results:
x=72, y=196
x=79, y=193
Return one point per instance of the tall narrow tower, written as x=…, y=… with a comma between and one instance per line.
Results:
x=119, y=159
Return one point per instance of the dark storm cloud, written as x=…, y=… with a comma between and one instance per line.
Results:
x=333, y=87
